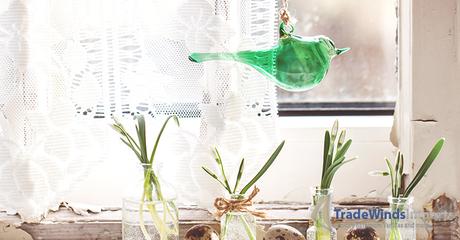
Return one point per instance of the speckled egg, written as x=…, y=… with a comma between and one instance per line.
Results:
x=361, y=233
x=283, y=232
x=201, y=232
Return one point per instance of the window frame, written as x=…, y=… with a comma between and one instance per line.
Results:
x=336, y=109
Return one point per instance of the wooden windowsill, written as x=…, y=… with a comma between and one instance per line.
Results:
x=65, y=224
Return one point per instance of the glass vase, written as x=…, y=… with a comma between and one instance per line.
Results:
x=321, y=209
x=155, y=220
x=401, y=224
x=149, y=208
x=238, y=225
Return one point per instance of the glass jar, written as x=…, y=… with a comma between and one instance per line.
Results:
x=149, y=211
x=237, y=225
x=400, y=224
x=320, y=212
x=154, y=220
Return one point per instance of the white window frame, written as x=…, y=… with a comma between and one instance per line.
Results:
x=429, y=72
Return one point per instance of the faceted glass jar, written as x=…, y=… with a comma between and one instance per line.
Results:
x=321, y=210
x=401, y=224
x=238, y=225
x=149, y=208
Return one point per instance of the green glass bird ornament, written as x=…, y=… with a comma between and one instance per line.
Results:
x=295, y=64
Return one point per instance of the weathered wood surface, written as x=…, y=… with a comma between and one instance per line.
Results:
x=65, y=224
x=429, y=70
x=106, y=225
x=446, y=221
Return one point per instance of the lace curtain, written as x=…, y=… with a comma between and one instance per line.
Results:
x=68, y=66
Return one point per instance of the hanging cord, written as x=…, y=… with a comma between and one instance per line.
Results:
x=286, y=26
x=284, y=13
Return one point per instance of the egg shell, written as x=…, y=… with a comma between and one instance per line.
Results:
x=362, y=233
x=201, y=232
x=283, y=232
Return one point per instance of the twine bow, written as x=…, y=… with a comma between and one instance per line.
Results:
x=224, y=206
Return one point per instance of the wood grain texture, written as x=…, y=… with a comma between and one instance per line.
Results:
x=65, y=224
x=446, y=221
x=106, y=225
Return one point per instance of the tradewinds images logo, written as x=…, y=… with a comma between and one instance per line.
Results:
x=373, y=214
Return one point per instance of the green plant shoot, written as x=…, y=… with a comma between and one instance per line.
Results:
x=335, y=149
x=234, y=190
x=224, y=181
x=152, y=188
x=398, y=188
x=396, y=171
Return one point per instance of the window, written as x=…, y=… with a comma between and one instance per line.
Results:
x=48, y=154
x=364, y=79
x=103, y=65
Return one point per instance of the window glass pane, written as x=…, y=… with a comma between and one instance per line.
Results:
x=367, y=72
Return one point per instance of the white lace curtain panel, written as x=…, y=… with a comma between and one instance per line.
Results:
x=67, y=66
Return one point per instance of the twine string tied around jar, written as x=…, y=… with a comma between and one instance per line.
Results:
x=224, y=206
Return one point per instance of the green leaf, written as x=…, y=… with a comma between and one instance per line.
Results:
x=221, y=166
x=343, y=150
x=333, y=153
x=401, y=175
x=213, y=175
x=217, y=156
x=425, y=166
x=140, y=149
x=329, y=170
x=330, y=155
x=238, y=177
x=264, y=168
x=398, y=176
x=157, y=141
x=341, y=139
x=401, y=166
x=334, y=131
x=378, y=173
x=332, y=172
x=118, y=127
x=392, y=174
x=132, y=148
x=176, y=119
x=398, y=161
x=140, y=130
x=327, y=142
